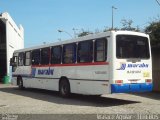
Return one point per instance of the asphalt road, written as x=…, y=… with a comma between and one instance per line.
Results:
x=43, y=104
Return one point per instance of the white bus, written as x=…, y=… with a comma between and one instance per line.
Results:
x=103, y=63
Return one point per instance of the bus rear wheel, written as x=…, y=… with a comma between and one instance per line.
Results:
x=64, y=88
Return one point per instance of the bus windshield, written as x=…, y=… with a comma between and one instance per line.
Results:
x=131, y=46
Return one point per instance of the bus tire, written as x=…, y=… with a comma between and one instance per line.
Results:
x=20, y=83
x=64, y=88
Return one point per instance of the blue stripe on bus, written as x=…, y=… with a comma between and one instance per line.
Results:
x=131, y=88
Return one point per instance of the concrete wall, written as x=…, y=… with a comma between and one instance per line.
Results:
x=14, y=37
x=156, y=68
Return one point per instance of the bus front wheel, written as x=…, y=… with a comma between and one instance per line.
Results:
x=20, y=83
x=64, y=88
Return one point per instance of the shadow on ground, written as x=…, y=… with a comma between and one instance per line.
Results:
x=77, y=100
x=150, y=95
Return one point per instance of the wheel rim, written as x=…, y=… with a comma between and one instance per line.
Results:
x=20, y=84
x=64, y=89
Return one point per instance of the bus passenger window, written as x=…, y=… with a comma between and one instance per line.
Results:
x=27, y=59
x=132, y=46
x=100, y=50
x=20, y=59
x=45, y=56
x=69, y=53
x=85, y=51
x=56, y=55
x=35, y=57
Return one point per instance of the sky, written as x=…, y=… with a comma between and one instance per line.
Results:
x=42, y=19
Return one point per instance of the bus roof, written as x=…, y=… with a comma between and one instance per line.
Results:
x=87, y=37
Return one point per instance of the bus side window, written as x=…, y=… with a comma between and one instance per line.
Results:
x=85, y=51
x=35, y=57
x=27, y=61
x=69, y=53
x=56, y=53
x=45, y=56
x=100, y=50
x=21, y=59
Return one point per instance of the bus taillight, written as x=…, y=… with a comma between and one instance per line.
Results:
x=148, y=80
x=118, y=81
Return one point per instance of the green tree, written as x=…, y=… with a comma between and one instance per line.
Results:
x=84, y=33
x=154, y=30
x=127, y=25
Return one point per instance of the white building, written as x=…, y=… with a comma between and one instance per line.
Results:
x=11, y=38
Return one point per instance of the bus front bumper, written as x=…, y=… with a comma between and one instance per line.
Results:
x=131, y=88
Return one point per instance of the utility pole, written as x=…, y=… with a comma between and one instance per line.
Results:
x=113, y=16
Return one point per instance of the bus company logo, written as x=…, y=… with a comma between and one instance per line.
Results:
x=33, y=72
x=48, y=71
x=123, y=66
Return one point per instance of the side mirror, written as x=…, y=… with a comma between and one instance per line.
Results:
x=11, y=62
